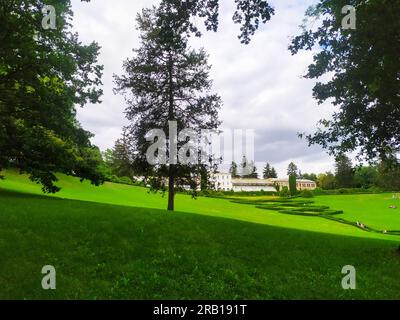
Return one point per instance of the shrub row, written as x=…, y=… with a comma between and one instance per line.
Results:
x=305, y=208
x=319, y=191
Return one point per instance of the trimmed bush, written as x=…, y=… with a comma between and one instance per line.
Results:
x=307, y=194
x=344, y=191
x=284, y=193
x=292, y=185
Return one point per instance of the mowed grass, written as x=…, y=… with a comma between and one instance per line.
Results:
x=125, y=195
x=103, y=251
x=120, y=244
x=371, y=209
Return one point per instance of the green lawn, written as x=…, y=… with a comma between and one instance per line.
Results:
x=125, y=195
x=130, y=249
x=371, y=209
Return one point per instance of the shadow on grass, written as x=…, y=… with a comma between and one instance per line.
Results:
x=26, y=195
x=23, y=196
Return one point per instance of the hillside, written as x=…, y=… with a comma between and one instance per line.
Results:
x=135, y=250
x=118, y=194
x=120, y=252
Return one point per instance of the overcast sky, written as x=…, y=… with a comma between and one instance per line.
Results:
x=260, y=83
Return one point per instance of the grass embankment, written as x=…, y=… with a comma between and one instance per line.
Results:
x=130, y=252
x=126, y=195
x=105, y=251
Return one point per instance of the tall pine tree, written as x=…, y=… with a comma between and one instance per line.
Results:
x=167, y=82
x=269, y=172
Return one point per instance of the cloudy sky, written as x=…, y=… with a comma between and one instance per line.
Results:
x=260, y=84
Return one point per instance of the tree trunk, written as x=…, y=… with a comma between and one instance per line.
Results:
x=171, y=173
x=171, y=188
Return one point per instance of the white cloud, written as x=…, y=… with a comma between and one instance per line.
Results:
x=260, y=83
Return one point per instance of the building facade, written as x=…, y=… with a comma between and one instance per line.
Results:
x=252, y=185
x=225, y=182
x=301, y=184
x=222, y=181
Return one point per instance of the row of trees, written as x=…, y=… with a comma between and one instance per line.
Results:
x=246, y=169
x=237, y=171
x=383, y=175
x=46, y=74
x=269, y=172
x=118, y=164
x=365, y=89
x=168, y=81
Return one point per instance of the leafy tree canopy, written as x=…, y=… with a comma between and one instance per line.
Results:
x=249, y=14
x=344, y=172
x=363, y=66
x=269, y=172
x=326, y=181
x=233, y=170
x=292, y=170
x=44, y=74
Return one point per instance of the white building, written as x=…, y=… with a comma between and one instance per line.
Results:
x=301, y=184
x=252, y=185
x=222, y=181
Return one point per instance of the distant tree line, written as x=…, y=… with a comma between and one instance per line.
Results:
x=246, y=169
x=382, y=175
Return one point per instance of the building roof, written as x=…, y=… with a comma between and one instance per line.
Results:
x=305, y=181
x=251, y=182
x=287, y=180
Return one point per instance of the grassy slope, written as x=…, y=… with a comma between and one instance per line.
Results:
x=105, y=251
x=139, y=197
x=371, y=209
x=129, y=251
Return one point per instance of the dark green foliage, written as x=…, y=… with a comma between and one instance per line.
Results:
x=295, y=207
x=44, y=75
x=141, y=253
x=326, y=181
x=233, y=170
x=306, y=194
x=389, y=176
x=249, y=14
x=229, y=194
x=366, y=177
x=381, y=176
x=306, y=208
x=292, y=185
x=344, y=175
x=269, y=172
x=292, y=172
x=372, y=190
x=292, y=169
x=247, y=169
x=310, y=176
x=274, y=174
x=166, y=81
x=284, y=193
x=363, y=67
x=118, y=161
